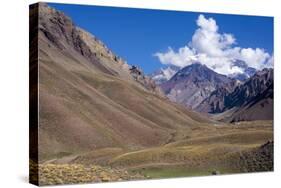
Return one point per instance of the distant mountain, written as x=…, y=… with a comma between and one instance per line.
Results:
x=193, y=84
x=247, y=71
x=199, y=88
x=164, y=74
x=252, y=100
x=215, y=102
x=99, y=117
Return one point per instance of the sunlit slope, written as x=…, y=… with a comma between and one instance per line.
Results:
x=243, y=147
x=87, y=104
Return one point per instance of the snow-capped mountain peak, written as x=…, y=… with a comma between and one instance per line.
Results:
x=164, y=74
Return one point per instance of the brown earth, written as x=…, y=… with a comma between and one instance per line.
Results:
x=93, y=113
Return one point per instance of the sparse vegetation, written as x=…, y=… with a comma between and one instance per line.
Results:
x=243, y=147
x=98, y=124
x=53, y=174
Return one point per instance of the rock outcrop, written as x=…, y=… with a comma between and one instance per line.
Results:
x=193, y=84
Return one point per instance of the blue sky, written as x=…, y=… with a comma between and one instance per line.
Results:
x=137, y=34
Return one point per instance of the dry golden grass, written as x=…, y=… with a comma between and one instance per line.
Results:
x=93, y=115
x=54, y=174
x=204, y=148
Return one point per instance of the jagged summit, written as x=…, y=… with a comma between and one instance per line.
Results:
x=251, y=100
x=199, y=72
x=192, y=84
x=101, y=119
x=63, y=34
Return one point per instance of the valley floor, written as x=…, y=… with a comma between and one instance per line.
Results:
x=205, y=150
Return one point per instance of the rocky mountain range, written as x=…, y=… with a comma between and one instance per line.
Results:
x=96, y=118
x=192, y=84
x=215, y=102
x=252, y=100
x=199, y=88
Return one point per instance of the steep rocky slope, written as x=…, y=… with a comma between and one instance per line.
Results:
x=101, y=119
x=253, y=100
x=201, y=89
x=254, y=88
x=215, y=102
x=192, y=84
x=90, y=98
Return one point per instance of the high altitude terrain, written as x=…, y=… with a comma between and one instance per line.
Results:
x=192, y=84
x=251, y=100
x=199, y=88
x=101, y=119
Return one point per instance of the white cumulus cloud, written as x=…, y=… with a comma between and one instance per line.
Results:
x=216, y=50
x=255, y=58
x=181, y=58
